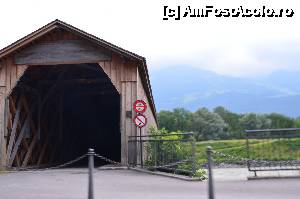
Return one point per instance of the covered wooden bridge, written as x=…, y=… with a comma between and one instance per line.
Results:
x=62, y=91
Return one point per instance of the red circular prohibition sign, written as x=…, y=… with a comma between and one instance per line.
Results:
x=140, y=120
x=139, y=106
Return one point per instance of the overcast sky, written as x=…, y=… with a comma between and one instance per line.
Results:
x=229, y=46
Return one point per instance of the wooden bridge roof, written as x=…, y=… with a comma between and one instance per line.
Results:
x=19, y=44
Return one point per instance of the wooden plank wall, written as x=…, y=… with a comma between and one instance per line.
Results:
x=123, y=74
x=64, y=51
x=9, y=75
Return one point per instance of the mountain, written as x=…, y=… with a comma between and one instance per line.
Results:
x=191, y=88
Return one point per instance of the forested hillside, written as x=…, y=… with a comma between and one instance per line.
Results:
x=221, y=123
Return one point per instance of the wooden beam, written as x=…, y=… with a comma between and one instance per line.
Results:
x=52, y=89
x=63, y=51
x=41, y=156
x=72, y=81
x=46, y=131
x=34, y=131
x=28, y=112
x=18, y=142
x=100, y=92
x=29, y=152
x=18, y=161
x=6, y=117
x=13, y=112
x=14, y=129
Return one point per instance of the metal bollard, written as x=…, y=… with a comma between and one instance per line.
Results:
x=91, y=154
x=211, y=192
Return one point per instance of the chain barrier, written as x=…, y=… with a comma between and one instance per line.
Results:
x=66, y=164
x=107, y=159
x=54, y=167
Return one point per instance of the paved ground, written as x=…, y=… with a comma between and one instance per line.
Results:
x=229, y=174
x=127, y=184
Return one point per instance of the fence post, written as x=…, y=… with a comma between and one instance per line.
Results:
x=155, y=154
x=209, y=152
x=91, y=154
x=194, y=156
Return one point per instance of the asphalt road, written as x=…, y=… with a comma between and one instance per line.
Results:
x=127, y=184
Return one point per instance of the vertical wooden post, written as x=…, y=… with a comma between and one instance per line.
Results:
x=124, y=159
x=3, y=122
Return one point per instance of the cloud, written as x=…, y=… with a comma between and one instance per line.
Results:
x=236, y=47
x=243, y=61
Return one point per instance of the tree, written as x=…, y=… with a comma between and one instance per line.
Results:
x=221, y=123
x=297, y=123
x=177, y=120
x=255, y=121
x=233, y=128
x=166, y=120
x=280, y=121
x=207, y=125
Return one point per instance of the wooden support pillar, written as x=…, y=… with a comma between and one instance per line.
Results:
x=43, y=150
x=18, y=142
x=3, y=116
x=129, y=90
x=29, y=152
x=14, y=130
x=47, y=130
x=34, y=133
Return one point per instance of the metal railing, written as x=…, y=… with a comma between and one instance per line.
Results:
x=164, y=152
x=273, y=149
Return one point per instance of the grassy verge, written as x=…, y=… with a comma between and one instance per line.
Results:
x=275, y=150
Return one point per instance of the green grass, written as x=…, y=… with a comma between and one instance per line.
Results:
x=235, y=150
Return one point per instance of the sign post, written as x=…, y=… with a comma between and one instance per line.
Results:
x=140, y=121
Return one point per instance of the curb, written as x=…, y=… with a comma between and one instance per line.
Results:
x=179, y=177
x=112, y=168
x=272, y=177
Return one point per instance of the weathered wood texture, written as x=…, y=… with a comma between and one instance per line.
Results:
x=119, y=70
x=123, y=74
x=9, y=75
x=61, y=52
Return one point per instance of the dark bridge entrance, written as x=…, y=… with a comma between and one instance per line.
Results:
x=63, y=110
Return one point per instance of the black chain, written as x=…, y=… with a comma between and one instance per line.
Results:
x=50, y=168
x=107, y=159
